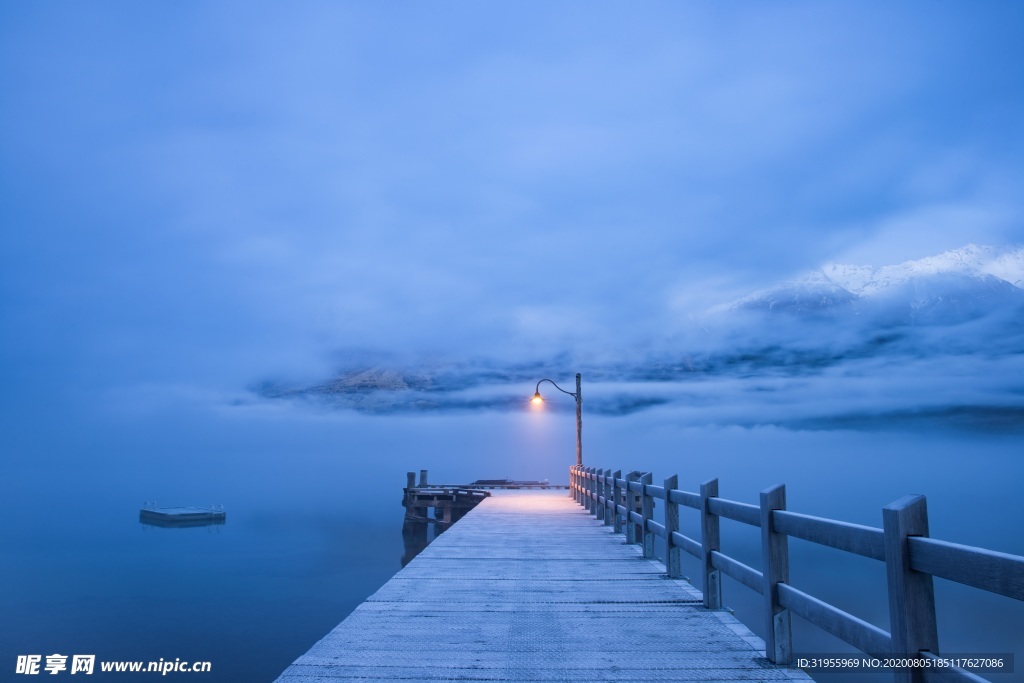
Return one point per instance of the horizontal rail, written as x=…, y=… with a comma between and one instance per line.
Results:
x=635, y=486
x=857, y=632
x=748, y=576
x=986, y=569
x=655, y=491
x=656, y=528
x=636, y=517
x=853, y=538
x=690, y=500
x=740, y=512
x=689, y=545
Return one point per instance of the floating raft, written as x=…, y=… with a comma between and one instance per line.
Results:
x=182, y=516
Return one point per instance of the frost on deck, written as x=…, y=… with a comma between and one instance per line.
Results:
x=529, y=587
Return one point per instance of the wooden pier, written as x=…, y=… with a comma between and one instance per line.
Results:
x=535, y=585
x=529, y=587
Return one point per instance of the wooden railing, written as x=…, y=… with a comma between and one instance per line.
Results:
x=910, y=556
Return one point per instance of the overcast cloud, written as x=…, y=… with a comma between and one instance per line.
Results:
x=217, y=192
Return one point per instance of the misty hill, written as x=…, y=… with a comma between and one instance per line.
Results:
x=938, y=340
x=954, y=286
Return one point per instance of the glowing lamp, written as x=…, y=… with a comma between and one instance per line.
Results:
x=537, y=400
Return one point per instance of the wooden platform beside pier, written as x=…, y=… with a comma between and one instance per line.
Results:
x=530, y=587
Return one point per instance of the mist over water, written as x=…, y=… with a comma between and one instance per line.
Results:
x=314, y=516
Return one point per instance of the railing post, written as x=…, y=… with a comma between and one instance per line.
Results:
x=911, y=595
x=710, y=541
x=630, y=498
x=579, y=485
x=588, y=489
x=591, y=503
x=609, y=502
x=778, y=641
x=637, y=507
x=598, y=488
x=616, y=500
x=423, y=478
x=647, y=512
x=673, y=560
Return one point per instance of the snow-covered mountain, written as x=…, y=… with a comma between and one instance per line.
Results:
x=955, y=285
x=974, y=261
x=811, y=294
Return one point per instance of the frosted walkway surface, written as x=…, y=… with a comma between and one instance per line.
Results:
x=529, y=587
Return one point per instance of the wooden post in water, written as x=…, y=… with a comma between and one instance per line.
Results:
x=609, y=501
x=422, y=511
x=911, y=595
x=647, y=512
x=673, y=560
x=616, y=501
x=778, y=641
x=414, y=527
x=710, y=542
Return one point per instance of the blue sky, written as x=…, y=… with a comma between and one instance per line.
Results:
x=221, y=190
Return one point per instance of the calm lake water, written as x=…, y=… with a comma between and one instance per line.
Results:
x=314, y=518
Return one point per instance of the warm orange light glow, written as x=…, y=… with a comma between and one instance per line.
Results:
x=537, y=400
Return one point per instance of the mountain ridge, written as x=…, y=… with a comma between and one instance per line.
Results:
x=961, y=283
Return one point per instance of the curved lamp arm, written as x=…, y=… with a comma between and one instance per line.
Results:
x=536, y=392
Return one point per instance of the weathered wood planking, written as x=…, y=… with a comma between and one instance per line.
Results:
x=529, y=587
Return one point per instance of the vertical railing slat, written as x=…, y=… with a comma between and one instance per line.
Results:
x=647, y=512
x=911, y=595
x=617, y=499
x=630, y=505
x=710, y=541
x=673, y=559
x=775, y=561
x=609, y=502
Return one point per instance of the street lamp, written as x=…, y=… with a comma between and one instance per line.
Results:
x=538, y=399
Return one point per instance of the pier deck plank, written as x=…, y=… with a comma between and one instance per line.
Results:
x=529, y=587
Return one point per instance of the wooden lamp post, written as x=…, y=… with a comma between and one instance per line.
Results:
x=538, y=399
